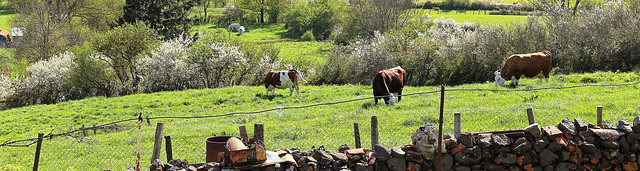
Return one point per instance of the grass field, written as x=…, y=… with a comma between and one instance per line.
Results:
x=330, y=125
x=5, y=18
x=478, y=17
x=302, y=54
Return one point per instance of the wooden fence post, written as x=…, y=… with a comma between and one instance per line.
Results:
x=243, y=134
x=38, y=147
x=158, y=142
x=168, y=148
x=374, y=131
x=456, y=125
x=530, y=116
x=258, y=132
x=356, y=134
x=599, y=115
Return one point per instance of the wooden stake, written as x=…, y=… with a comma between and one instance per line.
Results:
x=168, y=148
x=374, y=131
x=243, y=134
x=356, y=134
x=599, y=115
x=258, y=132
x=530, y=116
x=456, y=124
x=38, y=147
x=158, y=142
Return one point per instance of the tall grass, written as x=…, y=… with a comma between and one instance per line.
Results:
x=330, y=125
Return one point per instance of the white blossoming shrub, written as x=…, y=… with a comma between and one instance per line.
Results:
x=6, y=87
x=220, y=64
x=45, y=83
x=166, y=69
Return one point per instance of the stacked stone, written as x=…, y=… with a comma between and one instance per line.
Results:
x=571, y=145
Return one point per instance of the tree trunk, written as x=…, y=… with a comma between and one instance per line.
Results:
x=576, y=7
x=261, y=15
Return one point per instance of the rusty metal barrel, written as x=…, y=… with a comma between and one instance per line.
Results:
x=215, y=145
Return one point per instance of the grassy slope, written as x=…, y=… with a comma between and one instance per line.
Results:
x=330, y=126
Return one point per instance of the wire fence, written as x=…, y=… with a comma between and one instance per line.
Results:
x=112, y=145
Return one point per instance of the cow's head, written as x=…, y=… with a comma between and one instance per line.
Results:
x=498, y=78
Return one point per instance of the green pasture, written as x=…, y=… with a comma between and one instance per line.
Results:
x=478, y=17
x=323, y=125
x=6, y=16
x=302, y=54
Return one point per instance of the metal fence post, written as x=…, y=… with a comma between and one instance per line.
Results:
x=439, y=152
x=356, y=134
x=38, y=147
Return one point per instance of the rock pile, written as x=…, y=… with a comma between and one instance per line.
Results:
x=571, y=145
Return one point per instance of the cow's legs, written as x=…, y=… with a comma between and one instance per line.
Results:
x=290, y=91
x=399, y=95
x=297, y=89
x=376, y=99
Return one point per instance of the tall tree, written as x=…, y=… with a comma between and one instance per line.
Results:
x=55, y=25
x=168, y=17
x=382, y=15
x=121, y=48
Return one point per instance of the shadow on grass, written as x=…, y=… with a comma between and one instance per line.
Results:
x=7, y=11
x=268, y=97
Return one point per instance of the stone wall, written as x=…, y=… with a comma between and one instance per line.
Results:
x=571, y=145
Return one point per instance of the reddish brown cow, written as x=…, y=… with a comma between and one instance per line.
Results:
x=529, y=65
x=388, y=82
x=282, y=80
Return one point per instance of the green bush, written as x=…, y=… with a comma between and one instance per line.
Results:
x=308, y=36
x=319, y=16
x=90, y=76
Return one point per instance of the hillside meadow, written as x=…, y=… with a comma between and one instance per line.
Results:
x=324, y=125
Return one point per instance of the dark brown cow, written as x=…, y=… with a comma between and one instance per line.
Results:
x=388, y=82
x=282, y=80
x=529, y=65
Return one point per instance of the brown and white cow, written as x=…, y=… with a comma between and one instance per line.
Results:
x=529, y=65
x=282, y=80
x=389, y=82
